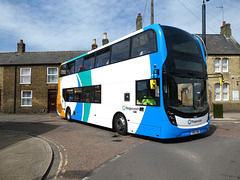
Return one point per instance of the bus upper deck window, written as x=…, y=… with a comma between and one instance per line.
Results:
x=70, y=68
x=88, y=63
x=63, y=70
x=144, y=43
x=120, y=51
x=102, y=58
x=79, y=65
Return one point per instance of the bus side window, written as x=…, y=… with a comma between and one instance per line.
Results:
x=120, y=51
x=79, y=65
x=102, y=58
x=88, y=63
x=145, y=95
x=144, y=43
x=78, y=94
x=88, y=94
x=68, y=95
x=70, y=68
x=97, y=94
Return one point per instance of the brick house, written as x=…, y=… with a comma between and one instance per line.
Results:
x=28, y=80
x=224, y=57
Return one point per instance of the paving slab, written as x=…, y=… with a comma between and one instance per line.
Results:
x=23, y=156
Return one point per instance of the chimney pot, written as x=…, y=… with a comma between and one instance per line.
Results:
x=139, y=22
x=105, y=35
x=21, y=47
x=226, y=29
x=105, y=39
x=94, y=45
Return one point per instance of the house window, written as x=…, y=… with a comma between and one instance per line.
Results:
x=52, y=75
x=222, y=93
x=224, y=65
x=25, y=75
x=26, y=98
x=217, y=64
x=225, y=92
x=217, y=92
x=221, y=65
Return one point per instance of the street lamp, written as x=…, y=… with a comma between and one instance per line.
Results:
x=204, y=21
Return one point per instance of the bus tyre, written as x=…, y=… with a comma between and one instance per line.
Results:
x=68, y=114
x=120, y=124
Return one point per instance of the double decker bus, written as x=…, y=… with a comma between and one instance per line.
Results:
x=152, y=82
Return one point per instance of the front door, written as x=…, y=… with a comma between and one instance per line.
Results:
x=52, y=101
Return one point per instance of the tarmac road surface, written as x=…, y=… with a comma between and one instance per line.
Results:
x=204, y=158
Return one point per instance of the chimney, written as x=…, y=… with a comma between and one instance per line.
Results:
x=20, y=47
x=225, y=29
x=105, y=39
x=139, y=22
x=94, y=45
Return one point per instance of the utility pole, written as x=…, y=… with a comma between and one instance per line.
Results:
x=204, y=21
x=152, y=13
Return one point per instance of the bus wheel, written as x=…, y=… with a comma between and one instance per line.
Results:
x=120, y=124
x=68, y=114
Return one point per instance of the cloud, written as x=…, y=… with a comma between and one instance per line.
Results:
x=60, y=25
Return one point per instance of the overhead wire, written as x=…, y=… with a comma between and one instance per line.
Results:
x=97, y=14
x=72, y=24
x=41, y=18
x=195, y=15
x=144, y=12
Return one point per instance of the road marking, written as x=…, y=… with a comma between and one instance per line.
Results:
x=63, y=159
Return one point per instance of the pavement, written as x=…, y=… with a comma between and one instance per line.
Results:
x=24, y=157
x=227, y=116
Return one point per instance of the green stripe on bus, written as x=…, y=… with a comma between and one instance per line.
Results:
x=86, y=78
x=87, y=107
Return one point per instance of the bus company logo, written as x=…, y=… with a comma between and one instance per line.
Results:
x=130, y=108
x=194, y=121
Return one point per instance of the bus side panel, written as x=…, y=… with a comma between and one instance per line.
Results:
x=116, y=80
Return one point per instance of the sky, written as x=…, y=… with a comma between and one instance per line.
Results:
x=71, y=25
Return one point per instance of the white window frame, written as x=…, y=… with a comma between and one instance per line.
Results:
x=52, y=75
x=217, y=65
x=220, y=92
x=226, y=91
x=25, y=75
x=22, y=105
x=225, y=65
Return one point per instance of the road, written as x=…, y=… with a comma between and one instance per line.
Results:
x=91, y=152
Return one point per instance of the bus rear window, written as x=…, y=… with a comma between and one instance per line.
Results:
x=63, y=70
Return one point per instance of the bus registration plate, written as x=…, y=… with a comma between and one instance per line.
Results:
x=195, y=132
